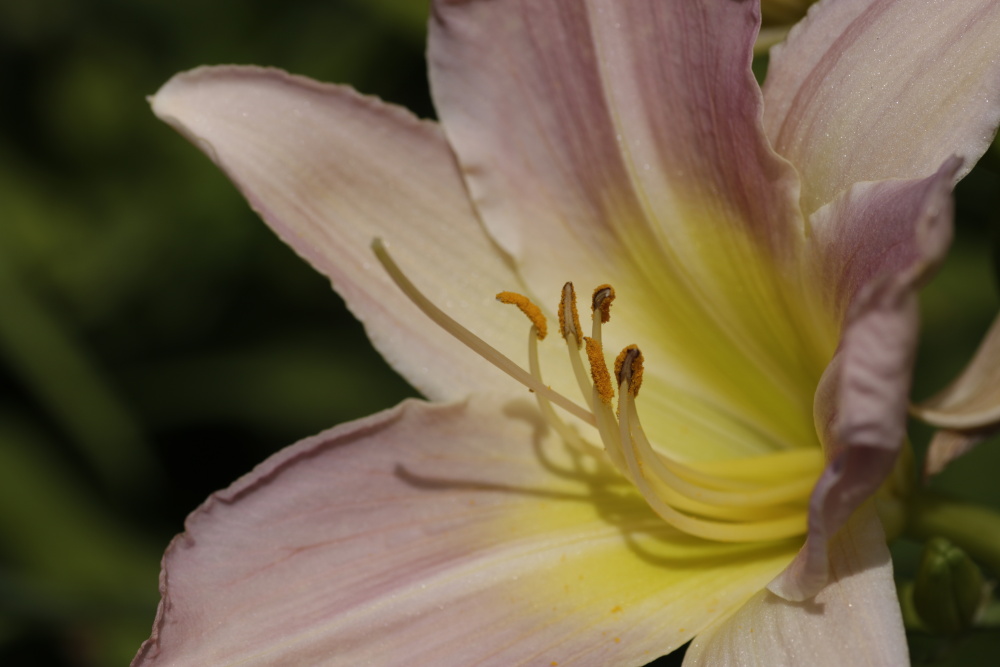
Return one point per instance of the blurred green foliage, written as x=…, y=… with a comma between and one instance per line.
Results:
x=156, y=341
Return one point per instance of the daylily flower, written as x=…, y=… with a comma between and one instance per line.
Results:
x=765, y=249
x=968, y=410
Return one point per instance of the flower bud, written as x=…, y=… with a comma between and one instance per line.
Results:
x=948, y=591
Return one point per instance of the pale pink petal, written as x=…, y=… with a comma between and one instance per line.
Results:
x=972, y=401
x=866, y=90
x=855, y=620
x=861, y=403
x=439, y=535
x=329, y=170
x=947, y=445
x=607, y=138
x=620, y=142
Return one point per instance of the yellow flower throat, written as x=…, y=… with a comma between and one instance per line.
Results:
x=737, y=500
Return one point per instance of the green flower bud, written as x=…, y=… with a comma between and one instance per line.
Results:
x=948, y=591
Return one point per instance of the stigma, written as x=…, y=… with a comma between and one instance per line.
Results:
x=739, y=500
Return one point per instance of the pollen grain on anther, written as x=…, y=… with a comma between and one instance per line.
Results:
x=569, y=318
x=628, y=369
x=599, y=370
x=601, y=301
x=533, y=312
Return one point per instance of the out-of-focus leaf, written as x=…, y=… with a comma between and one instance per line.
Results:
x=67, y=562
x=54, y=527
x=274, y=387
x=406, y=15
x=63, y=377
x=957, y=306
x=28, y=22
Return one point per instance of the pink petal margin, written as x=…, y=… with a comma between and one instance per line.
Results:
x=861, y=404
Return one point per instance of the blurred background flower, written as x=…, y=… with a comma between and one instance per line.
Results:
x=156, y=341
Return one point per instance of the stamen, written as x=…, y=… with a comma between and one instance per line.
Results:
x=599, y=371
x=601, y=301
x=471, y=340
x=600, y=309
x=789, y=464
x=568, y=435
x=654, y=492
x=533, y=312
x=729, y=476
x=569, y=327
x=737, y=500
x=628, y=369
x=753, y=500
x=607, y=425
x=603, y=392
x=535, y=334
x=569, y=318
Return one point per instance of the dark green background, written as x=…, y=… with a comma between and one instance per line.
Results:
x=156, y=341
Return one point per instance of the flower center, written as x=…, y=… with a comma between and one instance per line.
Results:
x=738, y=500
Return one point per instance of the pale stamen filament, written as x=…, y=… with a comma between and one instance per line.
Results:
x=600, y=309
x=758, y=469
x=628, y=370
x=569, y=328
x=737, y=474
x=673, y=473
x=471, y=340
x=535, y=334
x=602, y=394
x=793, y=485
x=550, y=416
x=710, y=502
